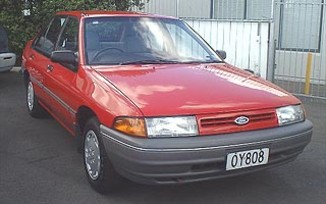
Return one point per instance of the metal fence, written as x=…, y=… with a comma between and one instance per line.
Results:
x=296, y=49
x=300, y=57
x=212, y=9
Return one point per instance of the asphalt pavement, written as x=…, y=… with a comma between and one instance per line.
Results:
x=39, y=164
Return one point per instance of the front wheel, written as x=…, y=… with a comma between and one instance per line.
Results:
x=33, y=106
x=99, y=170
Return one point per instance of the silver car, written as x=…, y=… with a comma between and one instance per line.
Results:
x=7, y=58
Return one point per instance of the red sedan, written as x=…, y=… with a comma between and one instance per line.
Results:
x=148, y=99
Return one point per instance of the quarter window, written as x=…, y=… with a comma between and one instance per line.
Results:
x=69, y=36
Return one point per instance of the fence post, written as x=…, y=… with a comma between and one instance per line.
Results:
x=271, y=53
x=212, y=9
x=177, y=7
x=271, y=47
x=308, y=74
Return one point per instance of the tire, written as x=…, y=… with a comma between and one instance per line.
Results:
x=33, y=106
x=99, y=171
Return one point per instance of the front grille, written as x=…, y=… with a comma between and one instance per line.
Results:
x=230, y=120
x=225, y=122
x=260, y=117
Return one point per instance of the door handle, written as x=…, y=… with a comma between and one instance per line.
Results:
x=31, y=57
x=49, y=68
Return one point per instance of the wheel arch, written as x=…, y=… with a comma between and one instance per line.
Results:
x=83, y=114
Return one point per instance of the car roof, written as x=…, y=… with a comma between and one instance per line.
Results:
x=96, y=13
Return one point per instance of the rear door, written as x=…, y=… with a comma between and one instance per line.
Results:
x=38, y=58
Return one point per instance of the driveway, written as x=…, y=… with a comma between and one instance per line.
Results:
x=39, y=164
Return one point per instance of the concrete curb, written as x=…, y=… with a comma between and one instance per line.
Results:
x=16, y=69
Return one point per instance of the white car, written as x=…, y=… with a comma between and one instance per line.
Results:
x=7, y=58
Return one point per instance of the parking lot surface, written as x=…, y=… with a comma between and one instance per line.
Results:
x=39, y=164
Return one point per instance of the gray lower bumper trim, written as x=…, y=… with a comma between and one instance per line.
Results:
x=109, y=134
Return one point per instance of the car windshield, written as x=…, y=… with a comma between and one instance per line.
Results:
x=141, y=40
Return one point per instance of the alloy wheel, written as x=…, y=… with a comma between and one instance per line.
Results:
x=30, y=96
x=92, y=155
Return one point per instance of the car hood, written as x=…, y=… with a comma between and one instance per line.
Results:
x=187, y=89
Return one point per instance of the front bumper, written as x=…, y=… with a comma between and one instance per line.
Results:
x=180, y=160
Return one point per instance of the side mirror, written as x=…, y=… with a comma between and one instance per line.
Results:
x=221, y=53
x=64, y=56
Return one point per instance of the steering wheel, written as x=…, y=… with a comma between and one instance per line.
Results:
x=98, y=56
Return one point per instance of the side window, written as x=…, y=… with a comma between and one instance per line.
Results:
x=47, y=40
x=69, y=36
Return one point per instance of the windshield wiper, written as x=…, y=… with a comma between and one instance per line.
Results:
x=166, y=61
x=212, y=61
x=201, y=61
x=150, y=61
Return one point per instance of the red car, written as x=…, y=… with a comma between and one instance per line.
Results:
x=148, y=99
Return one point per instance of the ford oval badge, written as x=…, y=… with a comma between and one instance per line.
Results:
x=242, y=120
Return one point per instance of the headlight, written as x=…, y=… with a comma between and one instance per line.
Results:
x=290, y=114
x=171, y=127
x=184, y=126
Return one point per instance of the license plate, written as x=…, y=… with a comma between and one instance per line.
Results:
x=239, y=160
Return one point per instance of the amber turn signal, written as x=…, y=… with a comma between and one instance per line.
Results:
x=131, y=126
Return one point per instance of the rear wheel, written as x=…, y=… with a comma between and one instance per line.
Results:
x=33, y=106
x=99, y=170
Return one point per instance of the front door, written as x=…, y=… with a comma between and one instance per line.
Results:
x=60, y=79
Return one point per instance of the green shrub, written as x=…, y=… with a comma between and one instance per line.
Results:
x=20, y=29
